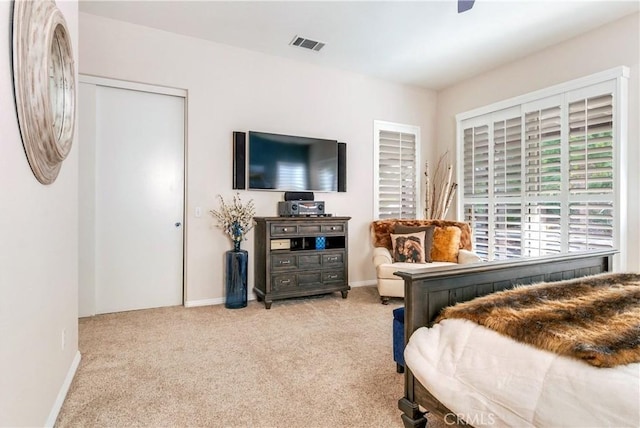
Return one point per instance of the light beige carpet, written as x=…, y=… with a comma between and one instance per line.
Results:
x=311, y=362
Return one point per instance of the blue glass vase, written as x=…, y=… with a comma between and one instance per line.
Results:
x=236, y=278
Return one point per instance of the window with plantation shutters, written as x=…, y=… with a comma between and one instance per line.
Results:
x=540, y=172
x=397, y=168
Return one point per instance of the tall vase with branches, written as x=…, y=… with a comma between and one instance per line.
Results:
x=235, y=219
x=440, y=188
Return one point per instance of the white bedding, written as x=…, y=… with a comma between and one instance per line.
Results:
x=491, y=380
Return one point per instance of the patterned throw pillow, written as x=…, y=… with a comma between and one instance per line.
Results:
x=428, y=237
x=446, y=244
x=408, y=248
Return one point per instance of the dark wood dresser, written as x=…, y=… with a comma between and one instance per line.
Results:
x=300, y=256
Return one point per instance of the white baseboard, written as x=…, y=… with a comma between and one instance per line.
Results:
x=208, y=302
x=363, y=283
x=64, y=389
x=203, y=302
x=220, y=300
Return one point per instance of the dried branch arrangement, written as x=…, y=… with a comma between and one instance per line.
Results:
x=440, y=188
x=235, y=218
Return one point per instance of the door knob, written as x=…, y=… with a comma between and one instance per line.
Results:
x=178, y=224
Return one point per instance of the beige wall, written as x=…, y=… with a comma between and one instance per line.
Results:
x=38, y=264
x=231, y=89
x=609, y=46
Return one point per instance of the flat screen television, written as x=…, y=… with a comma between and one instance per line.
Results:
x=290, y=163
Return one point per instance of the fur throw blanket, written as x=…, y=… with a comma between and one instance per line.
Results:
x=595, y=319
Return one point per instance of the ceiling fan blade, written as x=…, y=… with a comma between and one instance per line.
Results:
x=464, y=5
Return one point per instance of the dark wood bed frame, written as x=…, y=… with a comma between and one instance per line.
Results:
x=428, y=291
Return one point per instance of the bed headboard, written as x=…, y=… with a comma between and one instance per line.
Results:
x=427, y=291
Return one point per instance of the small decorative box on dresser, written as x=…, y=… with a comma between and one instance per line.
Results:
x=292, y=260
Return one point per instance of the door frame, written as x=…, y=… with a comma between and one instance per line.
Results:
x=86, y=274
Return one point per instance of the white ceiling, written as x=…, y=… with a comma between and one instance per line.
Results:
x=425, y=43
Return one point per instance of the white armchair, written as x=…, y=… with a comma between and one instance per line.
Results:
x=390, y=285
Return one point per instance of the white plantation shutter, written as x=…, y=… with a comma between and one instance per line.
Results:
x=542, y=229
x=476, y=185
x=539, y=177
x=542, y=221
x=542, y=151
x=396, y=190
x=591, y=173
x=591, y=146
x=507, y=156
x=507, y=230
x=476, y=160
x=477, y=216
x=590, y=225
x=507, y=184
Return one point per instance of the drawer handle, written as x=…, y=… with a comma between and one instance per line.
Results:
x=284, y=229
x=332, y=276
x=285, y=262
x=285, y=281
x=332, y=259
x=333, y=228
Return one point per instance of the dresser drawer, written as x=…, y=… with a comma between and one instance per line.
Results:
x=306, y=229
x=284, y=229
x=284, y=282
x=283, y=261
x=308, y=279
x=333, y=260
x=333, y=228
x=310, y=261
x=333, y=276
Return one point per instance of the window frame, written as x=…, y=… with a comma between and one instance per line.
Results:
x=384, y=126
x=616, y=78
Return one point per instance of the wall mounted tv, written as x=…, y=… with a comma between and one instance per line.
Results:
x=290, y=163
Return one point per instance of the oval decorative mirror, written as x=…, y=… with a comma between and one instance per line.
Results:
x=44, y=85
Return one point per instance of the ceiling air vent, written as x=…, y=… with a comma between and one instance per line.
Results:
x=301, y=42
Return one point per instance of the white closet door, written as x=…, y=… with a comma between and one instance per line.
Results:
x=139, y=199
